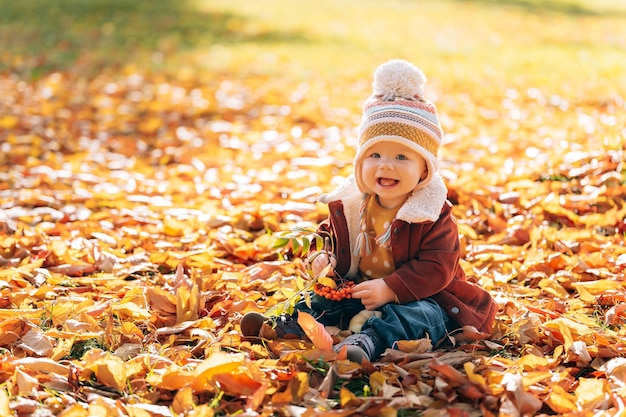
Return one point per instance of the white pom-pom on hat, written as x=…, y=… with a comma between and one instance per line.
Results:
x=398, y=79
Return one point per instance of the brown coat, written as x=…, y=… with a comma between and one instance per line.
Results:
x=426, y=256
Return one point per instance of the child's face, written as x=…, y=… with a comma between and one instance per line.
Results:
x=392, y=171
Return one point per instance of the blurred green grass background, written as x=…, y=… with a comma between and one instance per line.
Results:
x=576, y=45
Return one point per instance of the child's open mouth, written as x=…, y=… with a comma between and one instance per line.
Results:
x=387, y=182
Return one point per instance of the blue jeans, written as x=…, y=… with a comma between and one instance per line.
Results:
x=409, y=321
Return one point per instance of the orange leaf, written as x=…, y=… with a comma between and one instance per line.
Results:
x=616, y=314
x=448, y=371
x=256, y=399
x=237, y=384
x=315, y=331
x=109, y=369
x=560, y=400
x=217, y=363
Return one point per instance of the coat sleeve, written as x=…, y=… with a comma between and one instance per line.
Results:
x=335, y=229
x=428, y=258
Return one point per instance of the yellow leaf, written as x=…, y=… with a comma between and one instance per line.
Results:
x=569, y=329
x=131, y=310
x=300, y=283
x=590, y=393
x=12, y=329
x=287, y=292
x=62, y=348
x=150, y=125
x=347, y=397
x=8, y=121
x=173, y=227
x=554, y=288
x=477, y=379
x=130, y=329
x=327, y=282
x=377, y=381
x=584, y=293
x=531, y=362
x=187, y=302
x=535, y=377
x=109, y=369
x=75, y=410
x=599, y=286
x=307, y=299
x=136, y=295
x=174, y=378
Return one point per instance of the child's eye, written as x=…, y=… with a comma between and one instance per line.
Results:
x=375, y=155
x=401, y=157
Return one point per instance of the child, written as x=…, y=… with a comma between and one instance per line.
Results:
x=392, y=232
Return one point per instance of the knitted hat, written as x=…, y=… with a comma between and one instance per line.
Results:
x=398, y=112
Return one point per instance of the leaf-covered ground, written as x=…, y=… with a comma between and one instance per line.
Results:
x=139, y=209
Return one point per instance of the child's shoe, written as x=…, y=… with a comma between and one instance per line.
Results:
x=255, y=324
x=362, y=346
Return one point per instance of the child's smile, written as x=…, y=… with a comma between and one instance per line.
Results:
x=387, y=182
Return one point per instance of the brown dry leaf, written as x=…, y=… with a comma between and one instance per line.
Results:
x=41, y=365
x=447, y=371
x=26, y=384
x=37, y=342
x=183, y=401
x=616, y=315
x=520, y=402
x=12, y=330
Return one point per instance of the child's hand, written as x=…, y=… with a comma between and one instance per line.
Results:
x=373, y=293
x=320, y=261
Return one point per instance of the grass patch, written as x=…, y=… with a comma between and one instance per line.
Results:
x=79, y=348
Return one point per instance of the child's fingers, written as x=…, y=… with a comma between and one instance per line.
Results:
x=321, y=262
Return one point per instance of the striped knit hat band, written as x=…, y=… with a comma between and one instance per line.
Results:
x=411, y=133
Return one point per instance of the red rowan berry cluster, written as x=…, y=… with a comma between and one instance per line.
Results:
x=341, y=291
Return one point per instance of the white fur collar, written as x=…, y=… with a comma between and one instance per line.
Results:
x=423, y=205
